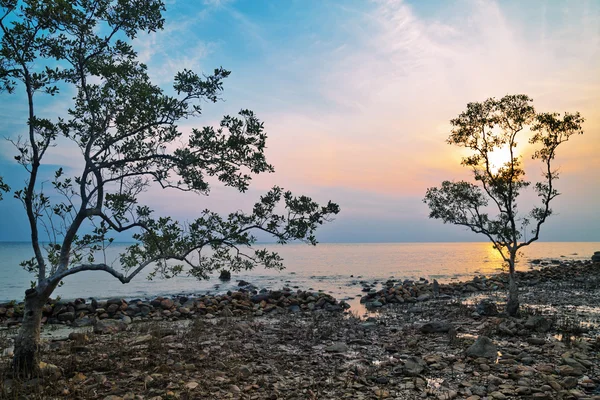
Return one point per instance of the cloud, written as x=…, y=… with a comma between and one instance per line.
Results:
x=357, y=97
x=217, y=3
x=397, y=82
x=175, y=47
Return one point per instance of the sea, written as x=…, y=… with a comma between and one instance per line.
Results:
x=335, y=268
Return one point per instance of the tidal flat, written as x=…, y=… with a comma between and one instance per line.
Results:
x=419, y=341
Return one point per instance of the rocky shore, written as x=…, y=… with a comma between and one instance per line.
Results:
x=248, y=300
x=440, y=342
x=408, y=291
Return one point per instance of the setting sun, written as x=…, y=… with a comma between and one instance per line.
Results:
x=499, y=157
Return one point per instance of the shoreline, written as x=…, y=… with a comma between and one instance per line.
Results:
x=329, y=268
x=248, y=299
x=438, y=348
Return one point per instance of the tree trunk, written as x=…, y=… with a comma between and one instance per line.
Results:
x=512, y=305
x=27, y=342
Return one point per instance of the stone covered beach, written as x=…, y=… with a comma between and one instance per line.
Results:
x=420, y=339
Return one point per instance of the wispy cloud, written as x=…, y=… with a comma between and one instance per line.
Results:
x=356, y=96
x=175, y=47
x=396, y=87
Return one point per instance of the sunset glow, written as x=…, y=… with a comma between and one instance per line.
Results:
x=500, y=157
x=356, y=97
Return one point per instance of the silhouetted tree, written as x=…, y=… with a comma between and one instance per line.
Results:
x=125, y=129
x=496, y=125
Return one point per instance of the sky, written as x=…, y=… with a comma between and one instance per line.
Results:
x=356, y=97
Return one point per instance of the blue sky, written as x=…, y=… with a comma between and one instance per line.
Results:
x=356, y=97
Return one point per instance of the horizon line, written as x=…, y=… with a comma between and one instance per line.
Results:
x=357, y=242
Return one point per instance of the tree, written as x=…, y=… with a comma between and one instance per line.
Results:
x=488, y=130
x=126, y=131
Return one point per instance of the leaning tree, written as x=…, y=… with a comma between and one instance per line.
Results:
x=490, y=132
x=125, y=134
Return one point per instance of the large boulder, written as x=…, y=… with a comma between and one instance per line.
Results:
x=483, y=347
x=596, y=256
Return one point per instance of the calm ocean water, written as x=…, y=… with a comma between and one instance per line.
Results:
x=334, y=268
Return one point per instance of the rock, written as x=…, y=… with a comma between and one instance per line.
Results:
x=191, y=385
x=225, y=275
x=569, y=382
x=577, y=394
x=167, y=304
x=49, y=370
x=141, y=340
x=337, y=348
x=66, y=316
x=498, y=396
x=79, y=377
x=382, y=380
x=538, y=323
x=83, y=321
x=226, y=312
x=412, y=366
x=567, y=370
x=523, y=390
x=243, y=283
x=109, y=326
x=117, y=301
x=507, y=328
x=294, y=308
x=483, y=347
x=424, y=297
x=79, y=337
x=112, y=397
x=536, y=341
x=487, y=308
x=596, y=256
x=540, y=396
x=113, y=308
x=257, y=298
x=245, y=371
x=573, y=362
x=184, y=310
x=448, y=395
x=436, y=327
